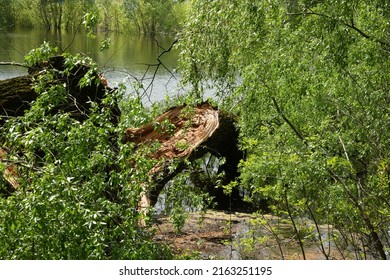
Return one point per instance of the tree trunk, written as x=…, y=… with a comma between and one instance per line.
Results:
x=16, y=94
x=189, y=133
x=184, y=132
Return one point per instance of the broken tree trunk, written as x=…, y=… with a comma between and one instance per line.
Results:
x=186, y=132
x=183, y=132
x=179, y=131
x=16, y=94
x=10, y=173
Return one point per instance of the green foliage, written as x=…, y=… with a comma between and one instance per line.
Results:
x=7, y=13
x=40, y=54
x=73, y=13
x=310, y=81
x=187, y=193
x=79, y=185
x=153, y=17
x=150, y=17
x=165, y=126
x=90, y=21
x=105, y=44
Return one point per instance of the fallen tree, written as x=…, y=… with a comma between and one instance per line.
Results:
x=16, y=94
x=63, y=167
x=188, y=133
x=183, y=133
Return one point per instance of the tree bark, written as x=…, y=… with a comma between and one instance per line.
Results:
x=16, y=94
x=193, y=133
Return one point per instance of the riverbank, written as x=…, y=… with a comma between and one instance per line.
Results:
x=235, y=236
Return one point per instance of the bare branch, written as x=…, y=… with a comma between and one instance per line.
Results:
x=157, y=67
x=12, y=63
x=74, y=37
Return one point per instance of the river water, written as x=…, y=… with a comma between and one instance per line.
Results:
x=129, y=59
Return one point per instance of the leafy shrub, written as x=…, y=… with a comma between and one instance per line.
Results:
x=79, y=185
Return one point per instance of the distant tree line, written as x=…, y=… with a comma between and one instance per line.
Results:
x=148, y=17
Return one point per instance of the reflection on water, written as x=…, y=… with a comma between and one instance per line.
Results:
x=127, y=60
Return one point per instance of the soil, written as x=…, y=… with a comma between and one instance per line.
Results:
x=235, y=236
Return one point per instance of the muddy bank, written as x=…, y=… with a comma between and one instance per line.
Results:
x=235, y=236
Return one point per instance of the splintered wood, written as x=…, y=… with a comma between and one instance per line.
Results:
x=180, y=130
x=10, y=173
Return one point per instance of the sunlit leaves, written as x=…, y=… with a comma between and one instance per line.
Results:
x=311, y=83
x=40, y=54
x=79, y=185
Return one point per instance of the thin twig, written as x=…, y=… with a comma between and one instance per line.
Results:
x=157, y=67
x=73, y=38
x=296, y=131
x=12, y=63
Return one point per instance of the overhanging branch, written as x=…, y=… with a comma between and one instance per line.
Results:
x=296, y=131
x=12, y=63
x=349, y=25
x=157, y=67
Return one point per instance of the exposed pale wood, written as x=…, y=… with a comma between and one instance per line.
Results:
x=195, y=130
x=190, y=129
x=10, y=173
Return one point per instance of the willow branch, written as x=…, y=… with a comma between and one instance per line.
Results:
x=349, y=25
x=296, y=131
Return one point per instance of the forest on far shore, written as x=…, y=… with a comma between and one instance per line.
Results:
x=147, y=17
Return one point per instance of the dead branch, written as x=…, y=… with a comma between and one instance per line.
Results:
x=12, y=63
